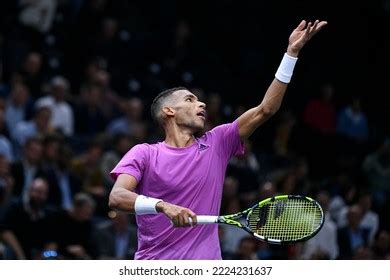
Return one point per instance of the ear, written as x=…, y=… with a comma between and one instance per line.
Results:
x=168, y=111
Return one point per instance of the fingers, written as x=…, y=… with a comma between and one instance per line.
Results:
x=314, y=25
x=194, y=219
x=183, y=217
x=301, y=26
x=321, y=25
x=308, y=28
x=317, y=26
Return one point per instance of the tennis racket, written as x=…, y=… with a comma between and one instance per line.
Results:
x=280, y=219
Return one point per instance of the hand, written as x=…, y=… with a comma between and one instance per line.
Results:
x=300, y=36
x=177, y=214
x=77, y=251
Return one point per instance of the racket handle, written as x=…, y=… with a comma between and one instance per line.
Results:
x=203, y=219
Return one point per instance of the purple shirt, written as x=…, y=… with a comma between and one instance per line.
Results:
x=191, y=177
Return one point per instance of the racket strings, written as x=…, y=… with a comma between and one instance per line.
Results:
x=286, y=220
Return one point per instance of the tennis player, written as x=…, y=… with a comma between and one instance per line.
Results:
x=167, y=184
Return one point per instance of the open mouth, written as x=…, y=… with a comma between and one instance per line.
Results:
x=202, y=114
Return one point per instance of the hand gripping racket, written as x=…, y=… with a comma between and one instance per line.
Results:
x=278, y=220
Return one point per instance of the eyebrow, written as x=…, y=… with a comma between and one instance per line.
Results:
x=191, y=96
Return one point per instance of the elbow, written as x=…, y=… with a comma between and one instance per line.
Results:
x=113, y=201
x=268, y=111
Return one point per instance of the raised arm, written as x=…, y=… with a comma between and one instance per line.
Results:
x=253, y=118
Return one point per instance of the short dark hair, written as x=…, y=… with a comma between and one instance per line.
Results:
x=155, y=108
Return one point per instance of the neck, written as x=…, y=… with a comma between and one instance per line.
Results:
x=178, y=137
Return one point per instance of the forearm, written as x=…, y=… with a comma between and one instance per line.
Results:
x=253, y=118
x=273, y=97
x=13, y=242
x=122, y=199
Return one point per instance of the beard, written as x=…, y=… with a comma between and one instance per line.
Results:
x=36, y=204
x=195, y=126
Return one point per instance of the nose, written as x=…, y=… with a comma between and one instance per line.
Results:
x=202, y=105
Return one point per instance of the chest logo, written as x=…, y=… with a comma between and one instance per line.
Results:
x=203, y=147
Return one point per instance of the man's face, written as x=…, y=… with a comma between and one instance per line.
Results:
x=38, y=193
x=188, y=110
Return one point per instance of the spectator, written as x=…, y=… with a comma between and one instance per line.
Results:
x=61, y=112
x=17, y=107
x=6, y=185
x=320, y=114
x=214, y=111
x=246, y=249
x=245, y=168
x=352, y=122
x=352, y=237
x=6, y=147
x=121, y=145
x=370, y=219
x=56, y=165
x=381, y=246
x=377, y=169
x=90, y=118
x=27, y=226
x=75, y=230
x=117, y=238
x=283, y=133
x=29, y=167
x=231, y=204
x=32, y=73
x=39, y=126
x=86, y=168
x=324, y=244
x=101, y=78
x=133, y=114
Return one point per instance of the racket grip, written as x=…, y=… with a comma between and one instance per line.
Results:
x=203, y=219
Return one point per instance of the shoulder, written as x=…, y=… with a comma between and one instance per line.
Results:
x=221, y=129
x=145, y=147
x=142, y=150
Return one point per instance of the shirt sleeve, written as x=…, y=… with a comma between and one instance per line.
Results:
x=132, y=163
x=227, y=137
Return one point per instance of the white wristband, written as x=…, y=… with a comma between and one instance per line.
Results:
x=145, y=205
x=286, y=68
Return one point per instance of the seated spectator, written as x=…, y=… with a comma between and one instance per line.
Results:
x=370, y=219
x=25, y=170
x=133, y=114
x=320, y=113
x=6, y=148
x=32, y=73
x=75, y=230
x=352, y=121
x=57, y=158
x=377, y=168
x=324, y=244
x=245, y=168
x=120, y=146
x=6, y=185
x=18, y=106
x=39, y=126
x=27, y=226
x=90, y=118
x=62, y=118
x=352, y=237
x=86, y=168
x=381, y=247
x=117, y=238
x=246, y=249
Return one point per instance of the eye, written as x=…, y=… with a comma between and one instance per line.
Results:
x=189, y=99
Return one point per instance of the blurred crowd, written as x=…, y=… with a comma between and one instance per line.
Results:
x=77, y=78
